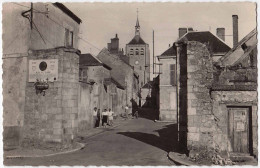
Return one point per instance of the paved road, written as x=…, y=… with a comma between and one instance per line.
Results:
x=137, y=142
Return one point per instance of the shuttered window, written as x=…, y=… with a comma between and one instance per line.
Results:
x=172, y=75
x=68, y=38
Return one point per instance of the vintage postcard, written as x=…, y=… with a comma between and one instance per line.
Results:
x=129, y=84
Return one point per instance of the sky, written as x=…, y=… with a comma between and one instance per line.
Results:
x=101, y=21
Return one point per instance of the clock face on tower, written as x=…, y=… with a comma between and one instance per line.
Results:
x=136, y=62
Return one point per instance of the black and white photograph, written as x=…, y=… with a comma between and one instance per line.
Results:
x=129, y=83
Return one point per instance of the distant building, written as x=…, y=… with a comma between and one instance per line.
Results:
x=124, y=74
x=96, y=89
x=139, y=55
x=168, y=76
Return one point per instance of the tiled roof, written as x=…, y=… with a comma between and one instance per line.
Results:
x=170, y=51
x=90, y=60
x=215, y=44
x=137, y=40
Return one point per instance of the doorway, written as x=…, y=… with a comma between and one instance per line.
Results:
x=240, y=129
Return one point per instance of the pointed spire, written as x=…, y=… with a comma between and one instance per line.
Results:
x=137, y=26
x=137, y=21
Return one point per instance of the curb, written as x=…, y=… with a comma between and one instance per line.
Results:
x=164, y=121
x=180, y=161
x=38, y=156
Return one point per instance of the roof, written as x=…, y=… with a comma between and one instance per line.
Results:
x=216, y=44
x=117, y=83
x=170, y=51
x=237, y=53
x=148, y=85
x=67, y=11
x=90, y=60
x=137, y=40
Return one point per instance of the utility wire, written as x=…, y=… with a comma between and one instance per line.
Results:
x=38, y=32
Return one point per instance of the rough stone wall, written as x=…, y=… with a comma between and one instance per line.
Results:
x=54, y=117
x=201, y=121
x=14, y=81
x=221, y=99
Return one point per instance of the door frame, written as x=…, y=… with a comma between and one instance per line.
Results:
x=250, y=130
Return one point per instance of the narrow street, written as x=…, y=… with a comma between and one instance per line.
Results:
x=137, y=142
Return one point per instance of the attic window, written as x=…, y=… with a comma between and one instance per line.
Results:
x=244, y=47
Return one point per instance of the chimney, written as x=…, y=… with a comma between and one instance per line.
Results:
x=221, y=33
x=190, y=29
x=116, y=36
x=235, y=30
x=182, y=31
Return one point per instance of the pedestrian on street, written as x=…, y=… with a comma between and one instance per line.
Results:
x=95, y=117
x=110, y=117
x=98, y=117
x=126, y=111
x=104, y=118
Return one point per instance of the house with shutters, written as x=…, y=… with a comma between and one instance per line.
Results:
x=168, y=68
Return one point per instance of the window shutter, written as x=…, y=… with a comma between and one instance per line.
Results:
x=172, y=75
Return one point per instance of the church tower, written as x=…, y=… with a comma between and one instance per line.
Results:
x=139, y=55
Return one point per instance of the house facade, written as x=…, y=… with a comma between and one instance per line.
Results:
x=32, y=53
x=169, y=63
x=124, y=74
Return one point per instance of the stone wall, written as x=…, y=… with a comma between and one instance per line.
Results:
x=14, y=81
x=195, y=75
x=54, y=117
x=221, y=101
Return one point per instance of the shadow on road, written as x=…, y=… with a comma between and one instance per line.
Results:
x=149, y=113
x=167, y=139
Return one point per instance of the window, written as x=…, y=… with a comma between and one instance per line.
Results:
x=142, y=51
x=172, y=75
x=68, y=38
x=136, y=51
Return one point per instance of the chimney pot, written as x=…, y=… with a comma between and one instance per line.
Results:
x=235, y=30
x=221, y=33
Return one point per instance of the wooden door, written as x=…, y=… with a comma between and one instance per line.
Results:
x=239, y=129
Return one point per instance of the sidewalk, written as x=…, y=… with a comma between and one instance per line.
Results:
x=33, y=152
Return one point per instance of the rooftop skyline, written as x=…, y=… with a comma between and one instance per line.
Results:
x=101, y=21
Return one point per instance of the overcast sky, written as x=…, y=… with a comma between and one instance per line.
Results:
x=101, y=21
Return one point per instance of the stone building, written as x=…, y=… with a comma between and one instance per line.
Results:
x=36, y=46
x=217, y=101
x=139, y=56
x=124, y=74
x=92, y=93
x=168, y=76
